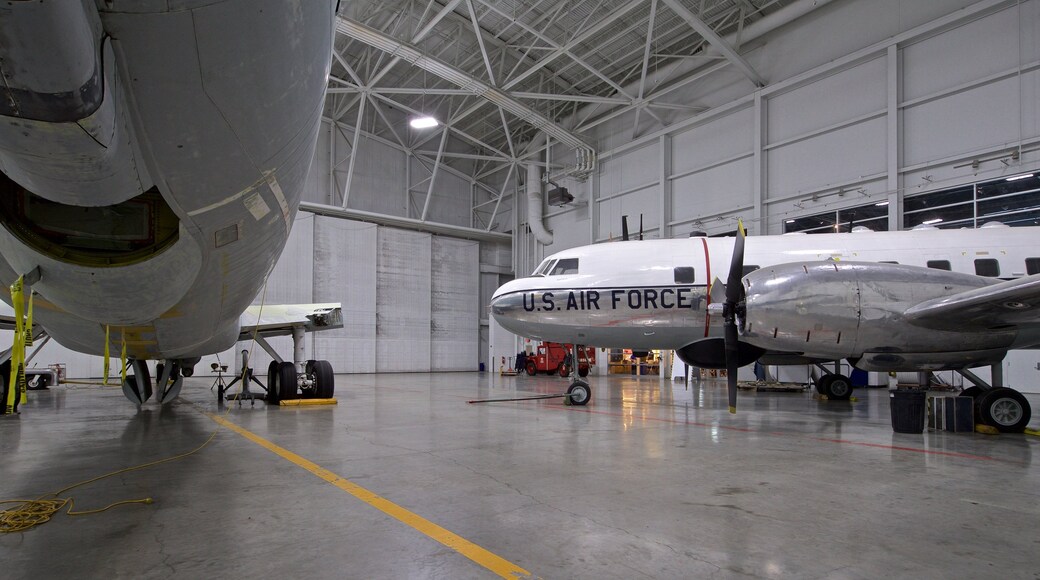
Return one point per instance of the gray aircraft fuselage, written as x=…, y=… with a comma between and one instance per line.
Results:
x=153, y=158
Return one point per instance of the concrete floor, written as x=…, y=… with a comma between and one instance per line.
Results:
x=649, y=481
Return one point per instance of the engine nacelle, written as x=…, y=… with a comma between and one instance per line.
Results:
x=837, y=310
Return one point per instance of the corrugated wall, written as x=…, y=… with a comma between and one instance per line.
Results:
x=455, y=305
x=345, y=272
x=403, y=300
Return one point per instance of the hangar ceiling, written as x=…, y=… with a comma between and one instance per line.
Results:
x=496, y=72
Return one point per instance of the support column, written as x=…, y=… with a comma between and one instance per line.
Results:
x=663, y=174
x=894, y=140
x=759, y=185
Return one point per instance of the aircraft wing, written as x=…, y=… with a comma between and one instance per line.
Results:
x=1010, y=303
x=6, y=322
x=280, y=319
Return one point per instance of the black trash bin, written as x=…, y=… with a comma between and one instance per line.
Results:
x=908, y=411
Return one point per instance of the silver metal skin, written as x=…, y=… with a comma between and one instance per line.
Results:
x=836, y=310
x=597, y=316
x=850, y=291
x=214, y=104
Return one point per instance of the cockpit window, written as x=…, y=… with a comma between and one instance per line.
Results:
x=544, y=268
x=565, y=266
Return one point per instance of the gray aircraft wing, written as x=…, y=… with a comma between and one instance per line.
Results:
x=280, y=319
x=1005, y=304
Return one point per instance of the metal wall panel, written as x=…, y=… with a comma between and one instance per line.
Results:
x=713, y=142
x=828, y=159
x=976, y=50
x=455, y=304
x=713, y=190
x=634, y=169
x=835, y=99
x=345, y=272
x=963, y=122
x=402, y=301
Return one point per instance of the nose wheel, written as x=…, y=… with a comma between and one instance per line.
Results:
x=579, y=393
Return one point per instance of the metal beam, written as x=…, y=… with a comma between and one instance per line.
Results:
x=715, y=40
x=413, y=55
x=406, y=223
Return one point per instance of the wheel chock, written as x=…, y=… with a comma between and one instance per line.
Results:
x=1033, y=432
x=986, y=429
x=302, y=402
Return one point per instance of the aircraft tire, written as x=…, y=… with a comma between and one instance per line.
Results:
x=324, y=379
x=1004, y=408
x=823, y=383
x=579, y=393
x=838, y=388
x=272, y=393
x=285, y=382
x=531, y=369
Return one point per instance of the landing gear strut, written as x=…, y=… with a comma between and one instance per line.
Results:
x=579, y=393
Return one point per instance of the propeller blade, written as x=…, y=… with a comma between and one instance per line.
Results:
x=624, y=228
x=717, y=292
x=736, y=267
x=732, y=350
x=734, y=291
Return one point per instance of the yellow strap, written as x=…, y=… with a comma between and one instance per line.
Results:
x=106, y=356
x=29, y=322
x=17, y=347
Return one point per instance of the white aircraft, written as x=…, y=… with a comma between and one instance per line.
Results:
x=153, y=156
x=885, y=301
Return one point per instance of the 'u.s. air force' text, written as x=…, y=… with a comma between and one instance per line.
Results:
x=634, y=299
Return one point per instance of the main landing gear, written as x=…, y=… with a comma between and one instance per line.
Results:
x=1000, y=407
x=307, y=379
x=836, y=387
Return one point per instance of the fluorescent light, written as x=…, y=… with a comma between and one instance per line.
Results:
x=423, y=122
x=1017, y=177
x=931, y=221
x=881, y=204
x=788, y=221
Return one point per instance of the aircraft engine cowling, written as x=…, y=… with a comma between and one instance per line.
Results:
x=836, y=310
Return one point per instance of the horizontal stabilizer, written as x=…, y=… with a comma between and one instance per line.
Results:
x=280, y=319
x=1001, y=305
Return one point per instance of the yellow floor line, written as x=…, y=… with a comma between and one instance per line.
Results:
x=492, y=562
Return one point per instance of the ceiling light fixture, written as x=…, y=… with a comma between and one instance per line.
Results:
x=1017, y=177
x=881, y=204
x=931, y=221
x=423, y=122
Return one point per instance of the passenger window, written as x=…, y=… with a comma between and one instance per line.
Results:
x=1032, y=266
x=565, y=266
x=747, y=270
x=988, y=267
x=684, y=275
x=939, y=264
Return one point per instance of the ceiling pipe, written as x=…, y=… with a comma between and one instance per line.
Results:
x=535, y=209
